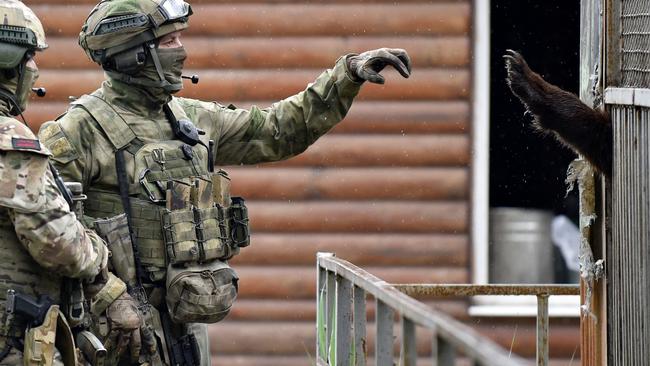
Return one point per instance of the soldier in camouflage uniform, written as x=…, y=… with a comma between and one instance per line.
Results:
x=40, y=238
x=133, y=121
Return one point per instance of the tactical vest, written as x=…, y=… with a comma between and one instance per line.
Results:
x=164, y=237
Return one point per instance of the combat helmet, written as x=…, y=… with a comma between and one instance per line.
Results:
x=121, y=34
x=21, y=35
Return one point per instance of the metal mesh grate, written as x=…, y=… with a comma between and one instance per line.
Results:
x=635, y=43
x=628, y=253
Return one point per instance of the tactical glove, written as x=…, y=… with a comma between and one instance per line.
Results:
x=124, y=321
x=369, y=64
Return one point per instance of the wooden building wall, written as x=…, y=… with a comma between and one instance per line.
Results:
x=387, y=189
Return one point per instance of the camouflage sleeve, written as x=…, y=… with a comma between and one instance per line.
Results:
x=288, y=127
x=69, y=141
x=43, y=222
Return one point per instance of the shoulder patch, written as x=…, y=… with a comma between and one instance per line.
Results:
x=25, y=144
x=57, y=142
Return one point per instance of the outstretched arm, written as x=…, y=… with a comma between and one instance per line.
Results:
x=288, y=127
x=586, y=130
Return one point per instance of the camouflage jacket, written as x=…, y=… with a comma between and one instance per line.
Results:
x=33, y=208
x=82, y=152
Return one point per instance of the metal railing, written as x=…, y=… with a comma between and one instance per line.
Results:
x=341, y=319
x=541, y=291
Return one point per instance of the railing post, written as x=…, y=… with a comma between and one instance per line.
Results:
x=446, y=353
x=434, y=346
x=343, y=320
x=409, y=354
x=330, y=304
x=542, y=330
x=360, y=345
x=384, y=336
x=321, y=316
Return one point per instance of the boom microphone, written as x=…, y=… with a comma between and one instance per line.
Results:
x=194, y=78
x=39, y=91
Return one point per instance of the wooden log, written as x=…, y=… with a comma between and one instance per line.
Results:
x=360, y=249
x=351, y=183
x=273, y=19
x=54, y=2
x=291, y=338
x=283, y=52
x=406, y=117
x=358, y=217
x=262, y=310
x=386, y=151
x=385, y=117
x=232, y=85
x=307, y=358
x=293, y=282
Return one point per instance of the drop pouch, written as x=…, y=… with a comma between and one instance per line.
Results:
x=201, y=293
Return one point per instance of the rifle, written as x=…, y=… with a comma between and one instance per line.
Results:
x=74, y=308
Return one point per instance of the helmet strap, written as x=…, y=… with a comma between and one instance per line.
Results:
x=147, y=83
x=11, y=97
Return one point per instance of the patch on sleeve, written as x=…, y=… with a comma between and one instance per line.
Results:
x=25, y=144
x=57, y=142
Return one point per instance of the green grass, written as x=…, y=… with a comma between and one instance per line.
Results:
x=323, y=352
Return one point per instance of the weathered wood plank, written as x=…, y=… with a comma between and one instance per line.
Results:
x=293, y=282
x=358, y=217
x=272, y=19
x=354, y=184
x=282, y=52
x=384, y=150
x=362, y=249
x=264, y=310
x=265, y=360
x=289, y=337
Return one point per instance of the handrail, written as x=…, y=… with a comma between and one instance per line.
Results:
x=477, y=290
x=340, y=282
x=541, y=291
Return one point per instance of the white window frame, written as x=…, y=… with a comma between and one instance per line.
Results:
x=564, y=306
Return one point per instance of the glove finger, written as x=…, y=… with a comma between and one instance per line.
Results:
x=136, y=345
x=148, y=339
x=111, y=340
x=367, y=73
x=403, y=56
x=123, y=343
x=389, y=58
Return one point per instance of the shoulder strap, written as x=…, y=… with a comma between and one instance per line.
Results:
x=177, y=109
x=114, y=126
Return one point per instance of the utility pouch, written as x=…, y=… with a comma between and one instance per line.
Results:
x=239, y=231
x=220, y=188
x=115, y=232
x=211, y=233
x=39, y=341
x=180, y=236
x=201, y=293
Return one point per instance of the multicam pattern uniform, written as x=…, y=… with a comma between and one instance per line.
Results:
x=40, y=239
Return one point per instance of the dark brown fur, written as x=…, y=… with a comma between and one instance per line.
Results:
x=586, y=130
